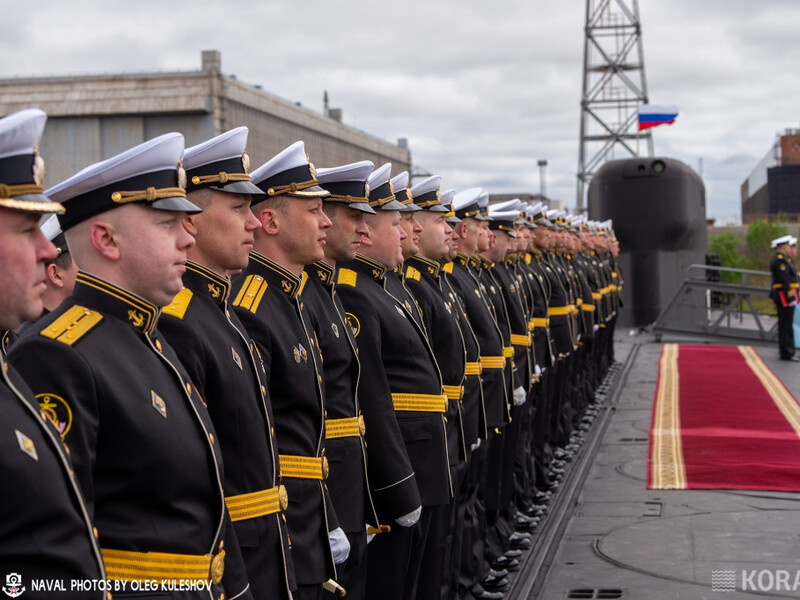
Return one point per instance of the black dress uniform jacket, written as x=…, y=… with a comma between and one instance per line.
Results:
x=347, y=483
x=267, y=303
x=395, y=358
x=472, y=407
x=45, y=532
x=142, y=442
x=212, y=344
x=479, y=311
x=439, y=316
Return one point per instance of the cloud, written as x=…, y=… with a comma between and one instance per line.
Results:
x=481, y=90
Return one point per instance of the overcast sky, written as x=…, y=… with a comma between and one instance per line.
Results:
x=481, y=89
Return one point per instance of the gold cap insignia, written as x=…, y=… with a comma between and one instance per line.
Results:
x=38, y=167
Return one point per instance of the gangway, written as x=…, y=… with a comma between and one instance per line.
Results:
x=717, y=309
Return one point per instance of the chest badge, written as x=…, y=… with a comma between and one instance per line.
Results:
x=296, y=354
x=159, y=404
x=26, y=445
x=335, y=329
x=236, y=358
x=57, y=410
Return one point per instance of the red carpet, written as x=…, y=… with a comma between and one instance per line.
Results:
x=722, y=419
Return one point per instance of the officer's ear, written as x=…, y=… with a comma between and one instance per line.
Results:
x=189, y=225
x=105, y=239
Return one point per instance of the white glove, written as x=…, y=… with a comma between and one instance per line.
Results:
x=340, y=547
x=793, y=303
x=595, y=327
x=536, y=370
x=369, y=535
x=476, y=445
x=519, y=396
x=579, y=337
x=409, y=519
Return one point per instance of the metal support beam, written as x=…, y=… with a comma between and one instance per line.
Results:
x=614, y=84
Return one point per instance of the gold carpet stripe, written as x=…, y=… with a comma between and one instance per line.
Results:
x=779, y=394
x=669, y=472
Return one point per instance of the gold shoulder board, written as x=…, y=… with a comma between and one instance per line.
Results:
x=347, y=277
x=252, y=291
x=412, y=273
x=179, y=305
x=70, y=327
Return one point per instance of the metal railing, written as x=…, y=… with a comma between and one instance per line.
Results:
x=718, y=309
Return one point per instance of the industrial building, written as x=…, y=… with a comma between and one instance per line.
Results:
x=93, y=117
x=773, y=187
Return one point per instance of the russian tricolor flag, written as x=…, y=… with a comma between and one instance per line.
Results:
x=652, y=115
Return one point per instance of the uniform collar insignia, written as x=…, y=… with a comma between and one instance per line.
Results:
x=322, y=271
x=426, y=265
x=205, y=281
x=462, y=259
x=277, y=275
x=371, y=267
x=106, y=297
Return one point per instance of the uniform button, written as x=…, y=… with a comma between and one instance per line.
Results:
x=158, y=345
x=325, y=414
x=272, y=432
x=264, y=390
x=222, y=597
x=108, y=596
x=96, y=535
x=44, y=416
x=189, y=388
x=211, y=437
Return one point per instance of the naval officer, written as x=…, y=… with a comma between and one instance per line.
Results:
x=46, y=532
x=402, y=380
x=221, y=359
x=344, y=425
x=267, y=300
x=784, y=294
x=144, y=448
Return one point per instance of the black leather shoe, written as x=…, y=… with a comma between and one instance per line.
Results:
x=503, y=563
x=521, y=544
x=493, y=583
x=790, y=358
x=512, y=554
x=501, y=573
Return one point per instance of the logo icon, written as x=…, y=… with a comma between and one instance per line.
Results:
x=13, y=587
x=723, y=581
